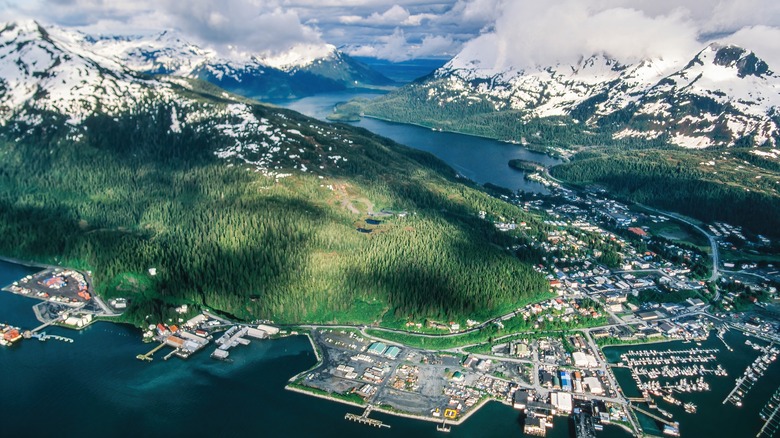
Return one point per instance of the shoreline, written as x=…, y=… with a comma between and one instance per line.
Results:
x=313, y=367
x=395, y=413
x=507, y=142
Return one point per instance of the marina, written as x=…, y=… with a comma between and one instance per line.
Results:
x=770, y=413
x=752, y=373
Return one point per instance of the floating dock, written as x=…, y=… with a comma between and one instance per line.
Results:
x=771, y=414
x=752, y=373
x=443, y=427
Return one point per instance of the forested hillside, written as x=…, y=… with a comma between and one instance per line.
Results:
x=124, y=194
x=734, y=185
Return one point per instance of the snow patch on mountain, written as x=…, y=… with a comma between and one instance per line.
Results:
x=51, y=71
x=724, y=95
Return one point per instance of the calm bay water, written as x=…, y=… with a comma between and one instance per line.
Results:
x=479, y=159
x=713, y=419
x=94, y=387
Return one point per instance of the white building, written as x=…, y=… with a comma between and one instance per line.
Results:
x=593, y=385
x=562, y=401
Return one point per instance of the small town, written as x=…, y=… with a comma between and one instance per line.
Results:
x=618, y=275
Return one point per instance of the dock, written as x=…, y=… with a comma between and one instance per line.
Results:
x=721, y=332
x=583, y=425
x=771, y=415
x=363, y=419
x=44, y=337
x=443, y=427
x=752, y=373
x=148, y=356
x=46, y=324
x=234, y=337
x=653, y=416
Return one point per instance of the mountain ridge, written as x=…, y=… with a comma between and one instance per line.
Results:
x=723, y=96
x=238, y=206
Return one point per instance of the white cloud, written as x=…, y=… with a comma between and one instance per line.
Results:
x=248, y=26
x=528, y=33
x=253, y=26
x=396, y=47
x=511, y=30
x=762, y=40
x=395, y=16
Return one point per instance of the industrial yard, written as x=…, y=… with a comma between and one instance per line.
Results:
x=66, y=300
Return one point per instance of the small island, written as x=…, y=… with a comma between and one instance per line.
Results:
x=525, y=165
x=346, y=112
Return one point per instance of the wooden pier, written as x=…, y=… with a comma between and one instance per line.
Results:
x=363, y=419
x=741, y=381
x=148, y=356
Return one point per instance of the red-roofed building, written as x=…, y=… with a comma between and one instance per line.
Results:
x=638, y=231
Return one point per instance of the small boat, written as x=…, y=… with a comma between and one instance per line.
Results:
x=671, y=430
x=690, y=408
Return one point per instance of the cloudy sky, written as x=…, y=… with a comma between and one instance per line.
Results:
x=503, y=32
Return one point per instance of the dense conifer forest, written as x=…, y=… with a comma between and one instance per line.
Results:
x=124, y=194
x=730, y=185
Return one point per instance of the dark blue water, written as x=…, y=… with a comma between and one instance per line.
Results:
x=480, y=159
x=713, y=419
x=94, y=387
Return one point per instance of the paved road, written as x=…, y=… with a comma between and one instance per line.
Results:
x=710, y=238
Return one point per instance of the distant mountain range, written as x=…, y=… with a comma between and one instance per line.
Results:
x=725, y=95
x=301, y=71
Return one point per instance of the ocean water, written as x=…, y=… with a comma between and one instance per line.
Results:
x=94, y=387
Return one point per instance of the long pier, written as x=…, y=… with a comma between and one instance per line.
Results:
x=363, y=419
x=739, y=386
x=148, y=356
x=653, y=416
x=720, y=336
x=746, y=382
x=46, y=324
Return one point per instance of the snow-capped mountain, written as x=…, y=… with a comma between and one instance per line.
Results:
x=725, y=95
x=50, y=71
x=51, y=81
x=302, y=70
